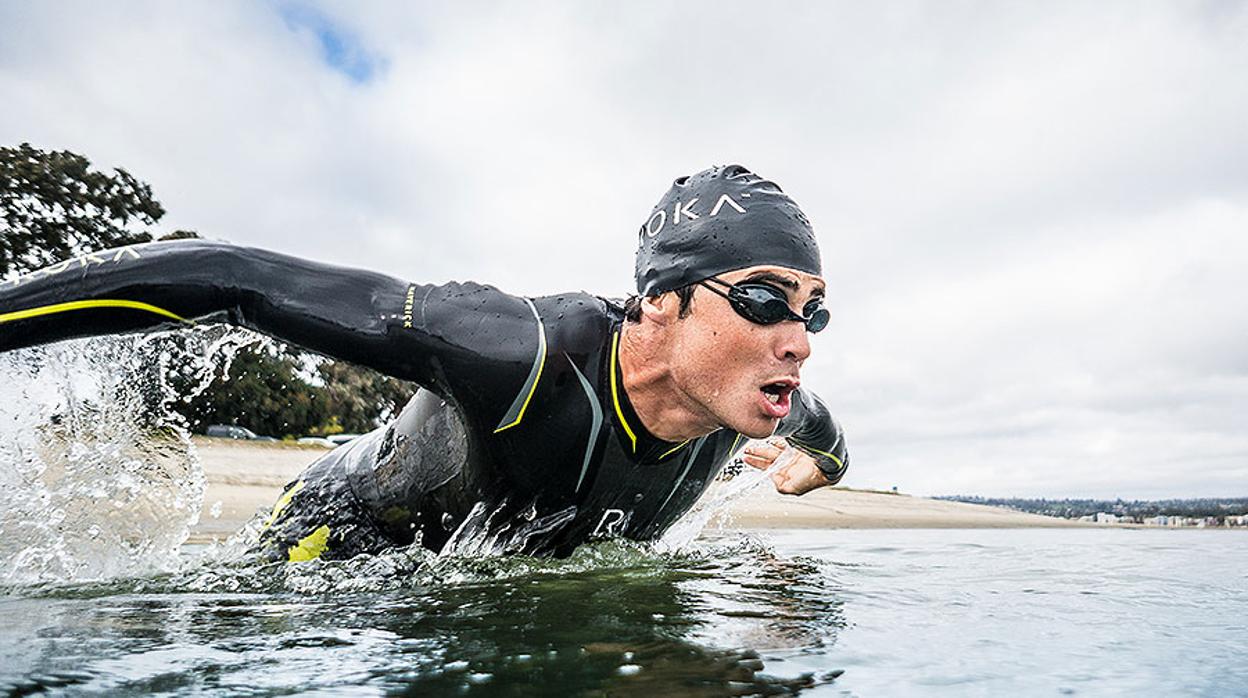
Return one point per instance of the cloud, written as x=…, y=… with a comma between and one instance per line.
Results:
x=1031, y=216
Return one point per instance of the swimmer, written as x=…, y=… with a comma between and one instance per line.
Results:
x=540, y=423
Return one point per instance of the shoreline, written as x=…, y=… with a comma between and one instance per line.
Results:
x=840, y=507
x=243, y=478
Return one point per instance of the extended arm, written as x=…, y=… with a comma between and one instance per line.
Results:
x=434, y=335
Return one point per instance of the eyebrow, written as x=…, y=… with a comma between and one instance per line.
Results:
x=773, y=278
x=784, y=281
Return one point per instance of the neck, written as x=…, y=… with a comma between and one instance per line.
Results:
x=665, y=410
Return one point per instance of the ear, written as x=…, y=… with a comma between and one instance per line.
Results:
x=662, y=309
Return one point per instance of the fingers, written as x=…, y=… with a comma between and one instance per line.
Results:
x=761, y=454
x=756, y=462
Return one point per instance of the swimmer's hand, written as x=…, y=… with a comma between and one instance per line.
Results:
x=798, y=476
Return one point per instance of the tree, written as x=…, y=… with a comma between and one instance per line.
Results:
x=54, y=206
x=179, y=235
x=361, y=399
x=267, y=389
x=263, y=391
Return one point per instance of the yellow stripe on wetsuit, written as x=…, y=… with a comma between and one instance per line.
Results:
x=281, y=504
x=674, y=449
x=815, y=451
x=615, y=393
x=516, y=413
x=310, y=547
x=86, y=305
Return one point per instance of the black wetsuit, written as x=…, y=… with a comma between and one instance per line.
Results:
x=522, y=435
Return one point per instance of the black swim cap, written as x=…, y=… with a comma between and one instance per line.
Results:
x=718, y=220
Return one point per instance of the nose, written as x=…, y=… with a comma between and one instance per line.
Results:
x=792, y=342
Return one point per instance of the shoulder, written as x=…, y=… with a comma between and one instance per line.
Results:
x=576, y=322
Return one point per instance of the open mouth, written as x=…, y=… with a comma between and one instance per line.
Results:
x=776, y=396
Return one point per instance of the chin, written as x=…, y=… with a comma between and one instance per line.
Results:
x=756, y=429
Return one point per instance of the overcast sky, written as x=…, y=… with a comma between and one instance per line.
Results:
x=1034, y=217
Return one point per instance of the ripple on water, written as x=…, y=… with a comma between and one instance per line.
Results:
x=615, y=617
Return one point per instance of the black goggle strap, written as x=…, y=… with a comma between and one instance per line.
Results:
x=721, y=282
x=714, y=290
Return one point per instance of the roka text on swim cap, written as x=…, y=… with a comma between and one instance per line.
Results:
x=718, y=220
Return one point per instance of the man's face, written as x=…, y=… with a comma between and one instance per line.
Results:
x=743, y=373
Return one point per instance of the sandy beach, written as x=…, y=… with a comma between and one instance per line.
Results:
x=245, y=477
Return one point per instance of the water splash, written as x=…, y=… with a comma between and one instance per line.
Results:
x=98, y=475
x=715, y=504
x=99, y=479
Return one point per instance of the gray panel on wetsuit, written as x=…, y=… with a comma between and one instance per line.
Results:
x=426, y=447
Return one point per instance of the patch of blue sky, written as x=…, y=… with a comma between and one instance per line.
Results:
x=341, y=49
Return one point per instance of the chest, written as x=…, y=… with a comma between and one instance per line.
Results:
x=570, y=452
x=577, y=457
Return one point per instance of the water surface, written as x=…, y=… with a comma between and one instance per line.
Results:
x=890, y=612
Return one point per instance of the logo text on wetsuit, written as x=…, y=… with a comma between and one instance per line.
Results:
x=610, y=524
x=408, y=302
x=659, y=219
x=81, y=261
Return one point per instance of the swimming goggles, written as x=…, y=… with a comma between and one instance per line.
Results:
x=766, y=305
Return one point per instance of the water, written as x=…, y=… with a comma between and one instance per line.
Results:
x=899, y=612
x=98, y=596
x=1037, y=612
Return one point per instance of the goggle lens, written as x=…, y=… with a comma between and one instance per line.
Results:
x=767, y=305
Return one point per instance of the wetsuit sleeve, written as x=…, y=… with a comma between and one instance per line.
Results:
x=444, y=337
x=810, y=427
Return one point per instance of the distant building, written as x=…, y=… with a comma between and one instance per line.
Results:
x=1105, y=518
